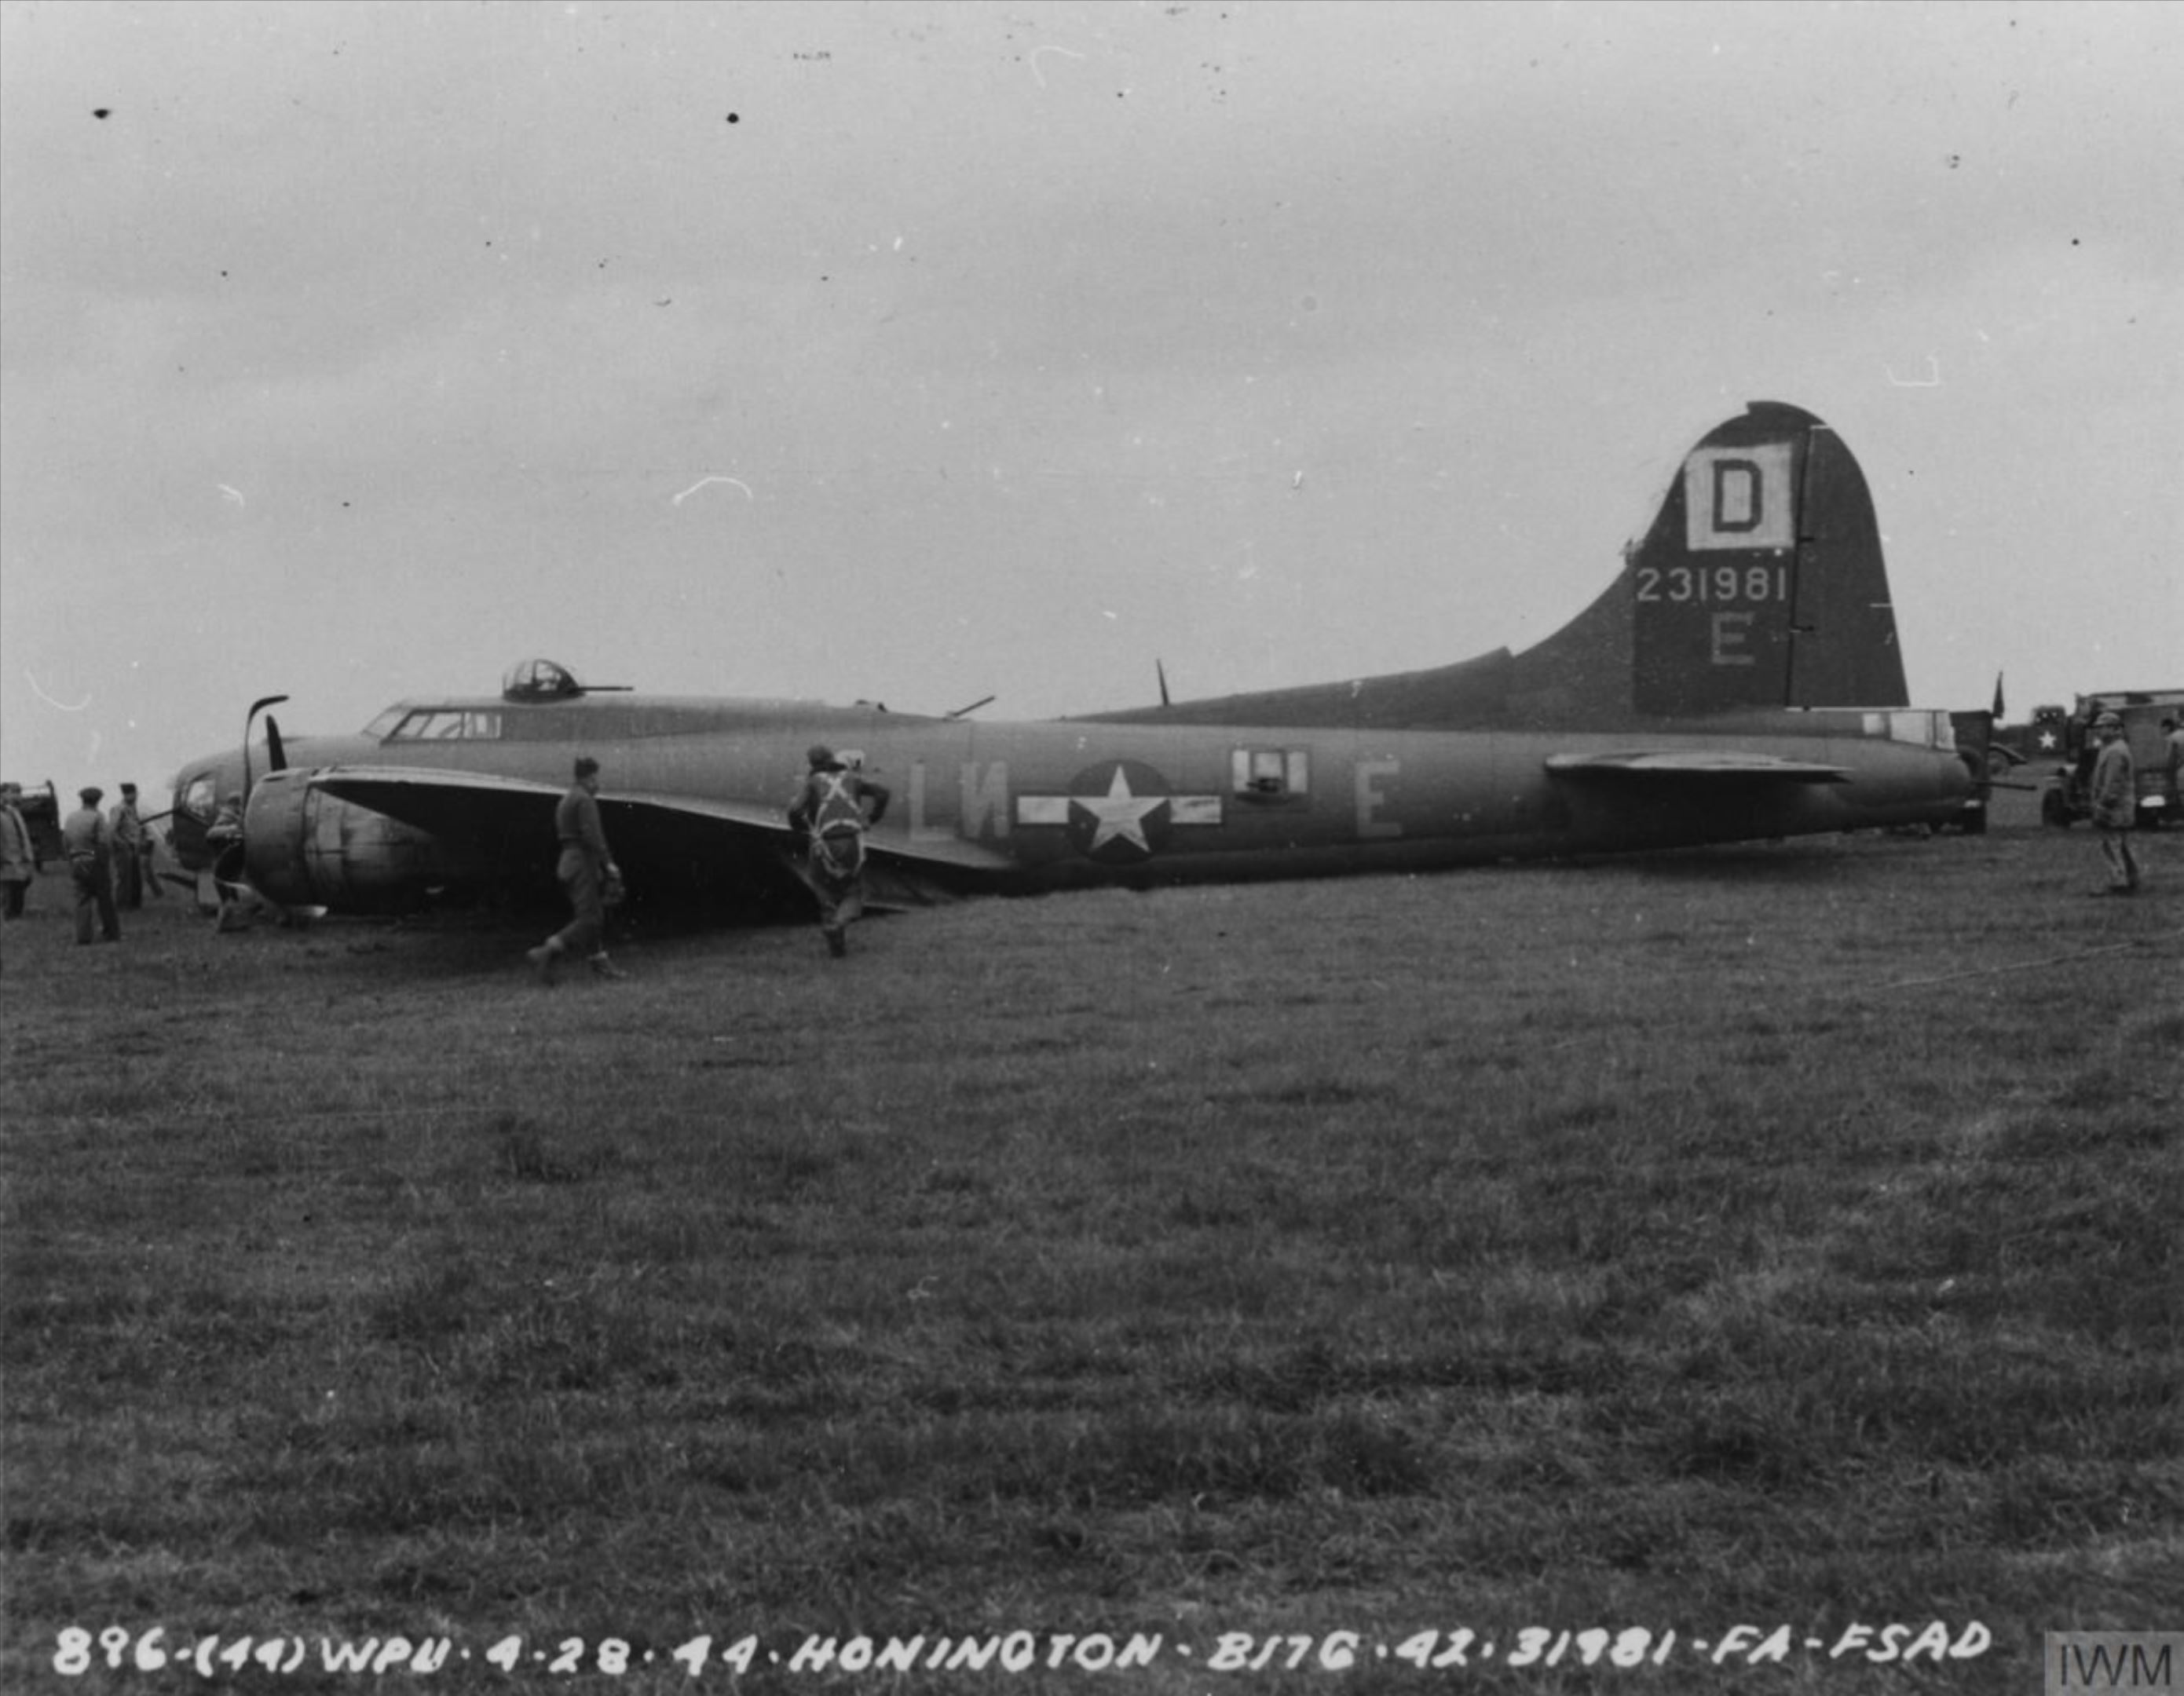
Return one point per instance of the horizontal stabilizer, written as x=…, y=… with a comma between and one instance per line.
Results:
x=1703, y=765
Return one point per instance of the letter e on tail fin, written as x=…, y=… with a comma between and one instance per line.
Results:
x=1761, y=582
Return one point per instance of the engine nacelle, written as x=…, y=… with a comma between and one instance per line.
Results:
x=304, y=847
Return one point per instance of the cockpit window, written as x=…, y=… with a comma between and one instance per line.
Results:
x=198, y=799
x=383, y=727
x=447, y=724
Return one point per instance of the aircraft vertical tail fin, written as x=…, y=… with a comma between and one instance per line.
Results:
x=1759, y=586
x=1761, y=583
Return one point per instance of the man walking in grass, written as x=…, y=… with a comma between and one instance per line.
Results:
x=2115, y=804
x=829, y=815
x=585, y=870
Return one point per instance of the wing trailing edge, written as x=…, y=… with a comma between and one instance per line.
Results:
x=1702, y=766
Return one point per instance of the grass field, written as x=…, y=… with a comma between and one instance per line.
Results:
x=1779, y=1237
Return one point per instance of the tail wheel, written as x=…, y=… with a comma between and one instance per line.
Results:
x=2053, y=812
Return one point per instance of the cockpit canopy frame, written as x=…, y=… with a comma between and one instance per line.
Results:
x=539, y=680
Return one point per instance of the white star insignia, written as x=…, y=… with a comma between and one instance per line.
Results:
x=1120, y=813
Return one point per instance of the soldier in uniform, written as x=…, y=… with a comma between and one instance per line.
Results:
x=131, y=851
x=829, y=815
x=2082, y=736
x=585, y=870
x=2172, y=749
x=19, y=856
x=233, y=911
x=2115, y=804
x=88, y=841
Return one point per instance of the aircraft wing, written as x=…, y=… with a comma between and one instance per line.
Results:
x=1703, y=767
x=474, y=807
x=463, y=805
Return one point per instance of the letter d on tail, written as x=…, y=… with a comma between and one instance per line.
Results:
x=1761, y=582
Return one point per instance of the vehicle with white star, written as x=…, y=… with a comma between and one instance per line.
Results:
x=2067, y=796
x=2042, y=736
x=1740, y=679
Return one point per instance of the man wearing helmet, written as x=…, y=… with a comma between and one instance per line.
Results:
x=2115, y=804
x=829, y=815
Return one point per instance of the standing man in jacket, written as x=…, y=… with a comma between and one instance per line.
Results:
x=132, y=852
x=19, y=858
x=2115, y=804
x=87, y=839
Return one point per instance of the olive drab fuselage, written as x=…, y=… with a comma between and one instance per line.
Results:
x=1740, y=679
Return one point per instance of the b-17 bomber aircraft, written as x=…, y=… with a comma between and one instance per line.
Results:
x=1740, y=679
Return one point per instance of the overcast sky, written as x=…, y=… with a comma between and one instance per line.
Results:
x=919, y=353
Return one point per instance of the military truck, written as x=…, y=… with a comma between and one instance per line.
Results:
x=2068, y=797
x=41, y=808
x=2010, y=746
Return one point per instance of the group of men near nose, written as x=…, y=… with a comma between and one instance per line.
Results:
x=110, y=864
x=829, y=816
x=110, y=857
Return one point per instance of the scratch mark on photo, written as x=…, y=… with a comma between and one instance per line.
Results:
x=1070, y=52
x=701, y=483
x=60, y=706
